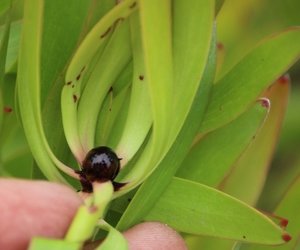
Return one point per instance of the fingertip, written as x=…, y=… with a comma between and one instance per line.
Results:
x=154, y=235
x=34, y=208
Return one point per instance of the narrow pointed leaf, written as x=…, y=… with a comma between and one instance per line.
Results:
x=233, y=94
x=155, y=18
x=192, y=24
x=197, y=209
x=289, y=208
x=114, y=58
x=29, y=92
x=135, y=132
x=211, y=158
x=251, y=168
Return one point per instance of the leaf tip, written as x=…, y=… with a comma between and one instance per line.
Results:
x=286, y=237
x=284, y=223
x=284, y=79
x=265, y=102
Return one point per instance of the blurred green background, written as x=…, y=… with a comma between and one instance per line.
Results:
x=240, y=25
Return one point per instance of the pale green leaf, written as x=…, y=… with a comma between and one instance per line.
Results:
x=113, y=60
x=152, y=188
x=134, y=133
x=155, y=18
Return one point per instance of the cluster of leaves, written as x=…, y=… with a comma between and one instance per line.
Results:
x=192, y=108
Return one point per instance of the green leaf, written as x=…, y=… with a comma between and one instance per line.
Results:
x=114, y=58
x=155, y=18
x=134, y=133
x=157, y=49
x=3, y=52
x=287, y=158
x=50, y=244
x=4, y=6
x=247, y=179
x=247, y=176
x=191, y=43
x=112, y=112
x=233, y=94
x=28, y=84
x=13, y=47
x=57, y=48
x=96, y=37
x=197, y=209
x=13, y=147
x=239, y=30
x=288, y=207
x=115, y=240
x=211, y=158
x=152, y=188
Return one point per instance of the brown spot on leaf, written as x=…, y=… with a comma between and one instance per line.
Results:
x=141, y=77
x=7, y=109
x=132, y=5
x=106, y=32
x=220, y=46
x=75, y=98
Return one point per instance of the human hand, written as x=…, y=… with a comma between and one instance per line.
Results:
x=39, y=208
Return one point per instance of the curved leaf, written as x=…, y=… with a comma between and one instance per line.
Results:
x=97, y=36
x=28, y=84
x=134, y=132
x=114, y=58
x=248, y=176
x=115, y=240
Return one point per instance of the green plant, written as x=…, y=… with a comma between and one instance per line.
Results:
x=192, y=109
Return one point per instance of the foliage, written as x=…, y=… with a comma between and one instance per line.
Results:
x=190, y=94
